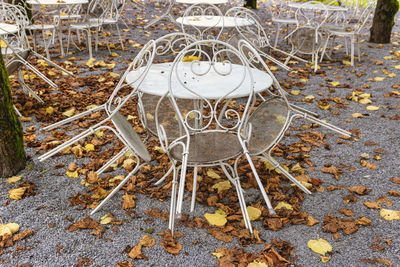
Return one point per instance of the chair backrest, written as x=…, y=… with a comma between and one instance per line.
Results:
x=312, y=13
x=280, y=9
x=166, y=48
x=306, y=40
x=267, y=123
x=252, y=32
x=17, y=61
x=364, y=17
x=212, y=82
x=209, y=16
x=99, y=10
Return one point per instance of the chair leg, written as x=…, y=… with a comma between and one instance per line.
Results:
x=352, y=52
x=181, y=185
x=278, y=28
x=17, y=111
x=260, y=185
x=194, y=189
x=89, y=42
x=276, y=165
x=111, y=161
x=165, y=176
x=172, y=209
x=119, y=35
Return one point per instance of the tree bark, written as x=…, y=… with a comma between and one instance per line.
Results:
x=251, y=4
x=12, y=153
x=383, y=22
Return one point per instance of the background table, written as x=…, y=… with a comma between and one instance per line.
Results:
x=58, y=3
x=213, y=21
x=298, y=5
x=193, y=2
x=156, y=81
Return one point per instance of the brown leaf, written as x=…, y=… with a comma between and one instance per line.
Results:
x=84, y=262
x=394, y=193
x=350, y=199
x=334, y=187
x=332, y=170
x=23, y=235
x=377, y=260
x=360, y=190
x=220, y=235
x=98, y=231
x=92, y=177
x=129, y=201
x=347, y=212
x=311, y=221
x=87, y=223
x=273, y=223
x=124, y=264
x=363, y=221
x=395, y=180
x=169, y=243
x=372, y=205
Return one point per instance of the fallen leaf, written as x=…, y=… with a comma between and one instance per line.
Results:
x=254, y=213
x=222, y=186
x=372, y=108
x=129, y=201
x=69, y=112
x=320, y=246
x=14, y=179
x=390, y=215
x=106, y=219
x=213, y=174
x=283, y=204
x=17, y=193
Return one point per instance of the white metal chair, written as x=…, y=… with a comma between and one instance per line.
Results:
x=269, y=121
x=97, y=12
x=281, y=14
x=212, y=21
x=114, y=16
x=255, y=34
x=307, y=38
x=121, y=126
x=352, y=32
x=210, y=129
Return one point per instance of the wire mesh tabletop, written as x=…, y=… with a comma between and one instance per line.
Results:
x=6, y=28
x=156, y=81
x=213, y=21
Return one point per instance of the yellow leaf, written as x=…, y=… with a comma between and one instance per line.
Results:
x=379, y=79
x=99, y=133
x=190, y=58
x=17, y=193
x=217, y=254
x=14, y=179
x=49, y=110
x=159, y=149
x=89, y=63
x=285, y=205
x=114, y=75
x=89, y=147
x=257, y=264
x=273, y=68
x=3, y=44
x=372, y=108
x=388, y=57
x=116, y=178
x=101, y=79
x=25, y=119
x=106, y=219
x=100, y=63
x=324, y=105
x=114, y=54
x=390, y=215
x=222, y=186
x=128, y=163
x=14, y=227
x=357, y=115
x=52, y=73
x=303, y=80
x=149, y=116
x=110, y=66
x=325, y=259
x=254, y=213
x=365, y=101
x=397, y=67
x=391, y=75
x=69, y=112
x=308, y=98
x=216, y=219
x=73, y=174
x=320, y=246
x=347, y=63
x=335, y=83
x=295, y=92
x=213, y=174
x=4, y=230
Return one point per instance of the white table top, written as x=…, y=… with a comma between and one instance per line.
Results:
x=57, y=2
x=212, y=85
x=8, y=28
x=193, y=2
x=316, y=7
x=213, y=21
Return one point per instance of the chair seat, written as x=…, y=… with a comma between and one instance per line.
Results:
x=109, y=21
x=130, y=136
x=341, y=32
x=86, y=25
x=208, y=147
x=14, y=63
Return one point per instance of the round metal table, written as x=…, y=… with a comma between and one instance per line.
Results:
x=6, y=28
x=156, y=81
x=213, y=21
x=298, y=5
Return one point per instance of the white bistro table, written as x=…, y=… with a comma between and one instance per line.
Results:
x=298, y=5
x=156, y=81
x=6, y=28
x=213, y=21
x=57, y=3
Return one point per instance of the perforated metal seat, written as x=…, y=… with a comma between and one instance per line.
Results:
x=209, y=147
x=267, y=122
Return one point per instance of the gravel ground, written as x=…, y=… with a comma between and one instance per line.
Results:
x=56, y=246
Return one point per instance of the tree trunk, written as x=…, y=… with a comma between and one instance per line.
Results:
x=251, y=4
x=383, y=22
x=12, y=153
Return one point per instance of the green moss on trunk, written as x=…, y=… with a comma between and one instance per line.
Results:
x=383, y=22
x=12, y=153
x=251, y=4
